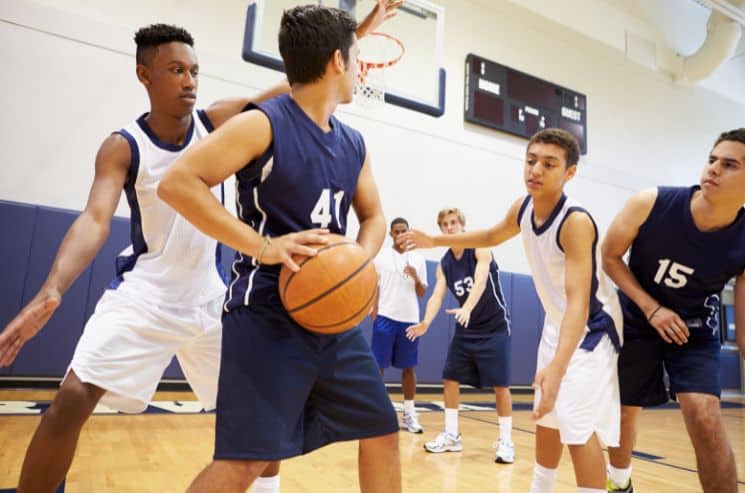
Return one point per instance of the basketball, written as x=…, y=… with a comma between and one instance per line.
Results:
x=334, y=290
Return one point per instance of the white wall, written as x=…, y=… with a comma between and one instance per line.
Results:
x=68, y=80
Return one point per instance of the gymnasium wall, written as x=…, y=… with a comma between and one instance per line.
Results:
x=70, y=70
x=37, y=230
x=68, y=80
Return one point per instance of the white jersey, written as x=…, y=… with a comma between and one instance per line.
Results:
x=548, y=264
x=398, y=299
x=170, y=261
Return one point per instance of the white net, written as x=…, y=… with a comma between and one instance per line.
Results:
x=379, y=51
x=370, y=87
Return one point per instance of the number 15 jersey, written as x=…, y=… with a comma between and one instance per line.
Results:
x=681, y=267
x=305, y=179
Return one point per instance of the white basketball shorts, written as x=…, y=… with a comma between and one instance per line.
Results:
x=588, y=401
x=128, y=343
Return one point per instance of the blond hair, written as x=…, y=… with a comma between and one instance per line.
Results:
x=451, y=210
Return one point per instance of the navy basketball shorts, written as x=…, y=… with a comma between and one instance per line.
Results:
x=482, y=362
x=692, y=367
x=284, y=391
x=390, y=346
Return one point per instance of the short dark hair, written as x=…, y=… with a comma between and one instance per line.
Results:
x=150, y=37
x=309, y=35
x=560, y=138
x=736, y=135
x=400, y=220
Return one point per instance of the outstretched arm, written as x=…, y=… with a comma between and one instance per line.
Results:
x=78, y=248
x=483, y=260
x=433, y=306
x=576, y=238
x=186, y=188
x=381, y=12
x=221, y=111
x=621, y=234
x=507, y=228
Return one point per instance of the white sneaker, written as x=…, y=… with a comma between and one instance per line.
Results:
x=505, y=452
x=411, y=423
x=445, y=442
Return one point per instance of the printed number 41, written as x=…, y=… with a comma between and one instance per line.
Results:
x=321, y=213
x=676, y=274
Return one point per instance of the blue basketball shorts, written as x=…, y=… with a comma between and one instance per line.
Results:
x=284, y=391
x=390, y=345
x=692, y=367
x=482, y=362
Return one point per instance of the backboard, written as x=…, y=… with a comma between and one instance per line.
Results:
x=416, y=82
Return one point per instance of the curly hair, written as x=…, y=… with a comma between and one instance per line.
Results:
x=150, y=37
x=560, y=138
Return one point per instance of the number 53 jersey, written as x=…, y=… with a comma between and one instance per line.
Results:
x=683, y=268
x=305, y=179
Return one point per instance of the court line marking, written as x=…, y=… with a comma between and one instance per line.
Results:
x=653, y=461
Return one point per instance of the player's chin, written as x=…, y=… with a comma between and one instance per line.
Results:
x=185, y=106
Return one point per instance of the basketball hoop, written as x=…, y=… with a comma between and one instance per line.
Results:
x=387, y=50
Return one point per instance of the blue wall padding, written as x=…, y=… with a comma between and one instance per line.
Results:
x=731, y=377
x=49, y=353
x=30, y=238
x=16, y=231
x=526, y=315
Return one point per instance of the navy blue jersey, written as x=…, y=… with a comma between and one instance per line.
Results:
x=489, y=315
x=681, y=267
x=305, y=179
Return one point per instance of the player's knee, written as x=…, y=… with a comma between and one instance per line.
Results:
x=628, y=415
x=706, y=422
x=241, y=473
x=381, y=444
x=72, y=405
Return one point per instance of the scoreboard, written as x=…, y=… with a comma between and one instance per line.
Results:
x=506, y=99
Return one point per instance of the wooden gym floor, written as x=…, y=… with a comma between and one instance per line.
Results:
x=163, y=452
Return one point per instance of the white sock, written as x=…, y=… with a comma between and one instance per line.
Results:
x=619, y=476
x=543, y=479
x=505, y=428
x=451, y=421
x=590, y=490
x=409, y=407
x=266, y=485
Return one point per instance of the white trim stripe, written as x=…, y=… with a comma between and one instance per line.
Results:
x=262, y=224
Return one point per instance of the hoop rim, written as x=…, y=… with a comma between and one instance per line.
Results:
x=365, y=66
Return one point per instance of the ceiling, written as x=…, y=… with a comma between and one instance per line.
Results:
x=673, y=29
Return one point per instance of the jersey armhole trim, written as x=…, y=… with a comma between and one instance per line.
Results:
x=202, y=114
x=571, y=210
x=523, y=206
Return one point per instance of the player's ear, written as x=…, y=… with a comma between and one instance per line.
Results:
x=143, y=75
x=340, y=65
x=570, y=172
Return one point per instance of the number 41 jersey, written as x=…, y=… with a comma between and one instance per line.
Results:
x=681, y=267
x=306, y=179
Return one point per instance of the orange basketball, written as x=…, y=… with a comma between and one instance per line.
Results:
x=334, y=290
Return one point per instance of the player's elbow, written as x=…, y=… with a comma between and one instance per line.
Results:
x=169, y=187
x=609, y=260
